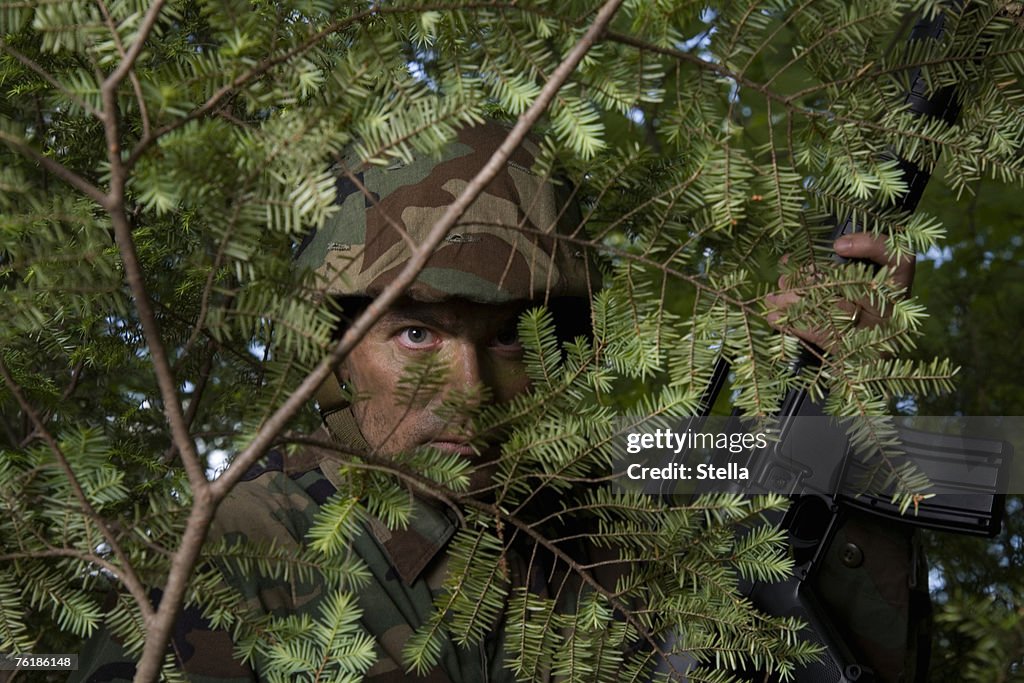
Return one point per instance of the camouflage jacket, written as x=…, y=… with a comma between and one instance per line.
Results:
x=871, y=600
x=278, y=502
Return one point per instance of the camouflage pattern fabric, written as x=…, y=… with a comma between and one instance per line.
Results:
x=278, y=502
x=871, y=602
x=521, y=239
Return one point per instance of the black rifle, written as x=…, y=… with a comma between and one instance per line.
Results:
x=815, y=464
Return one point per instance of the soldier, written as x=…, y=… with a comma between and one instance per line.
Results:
x=501, y=257
x=462, y=310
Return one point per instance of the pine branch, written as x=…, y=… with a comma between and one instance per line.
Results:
x=824, y=36
x=127, y=64
x=55, y=167
x=48, y=77
x=579, y=570
x=140, y=100
x=218, y=98
x=126, y=571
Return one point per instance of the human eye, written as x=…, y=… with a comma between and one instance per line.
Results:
x=507, y=340
x=417, y=338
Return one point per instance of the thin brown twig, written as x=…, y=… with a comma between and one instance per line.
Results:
x=46, y=76
x=211, y=279
x=132, y=76
x=114, y=203
x=55, y=167
x=197, y=394
x=70, y=553
x=76, y=378
x=370, y=461
x=242, y=356
x=128, y=63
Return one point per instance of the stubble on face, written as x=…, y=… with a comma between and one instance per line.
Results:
x=474, y=345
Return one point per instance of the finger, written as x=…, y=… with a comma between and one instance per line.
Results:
x=902, y=272
x=781, y=300
x=863, y=245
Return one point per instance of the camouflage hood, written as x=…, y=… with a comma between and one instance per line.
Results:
x=505, y=247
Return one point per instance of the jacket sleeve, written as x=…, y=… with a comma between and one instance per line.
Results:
x=203, y=653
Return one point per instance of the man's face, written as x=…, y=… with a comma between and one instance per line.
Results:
x=475, y=345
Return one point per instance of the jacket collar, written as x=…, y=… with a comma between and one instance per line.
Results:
x=410, y=550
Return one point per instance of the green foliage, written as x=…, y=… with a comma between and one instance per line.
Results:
x=995, y=635
x=331, y=647
x=970, y=286
x=472, y=600
x=704, y=142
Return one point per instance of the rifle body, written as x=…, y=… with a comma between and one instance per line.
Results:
x=814, y=463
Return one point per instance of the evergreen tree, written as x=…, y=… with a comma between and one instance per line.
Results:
x=162, y=160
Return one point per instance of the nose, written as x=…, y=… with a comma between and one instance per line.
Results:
x=468, y=374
